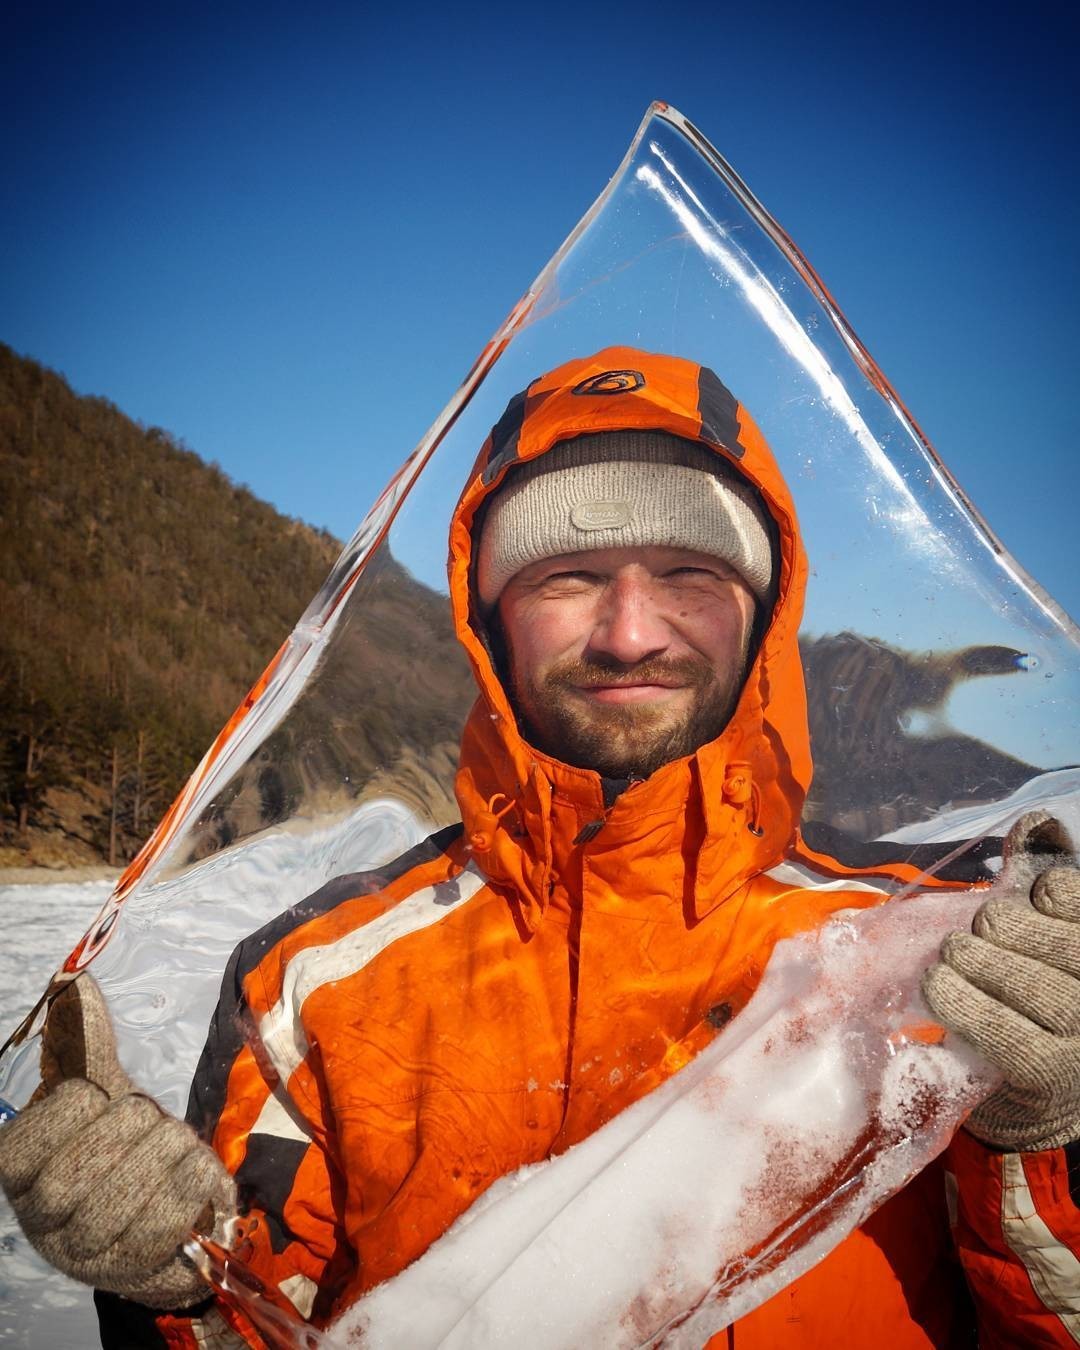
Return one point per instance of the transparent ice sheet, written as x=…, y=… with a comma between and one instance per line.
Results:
x=943, y=683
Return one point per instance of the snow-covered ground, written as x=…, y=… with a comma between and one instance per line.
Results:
x=39, y=1309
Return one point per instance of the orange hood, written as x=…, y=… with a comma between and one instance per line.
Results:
x=731, y=809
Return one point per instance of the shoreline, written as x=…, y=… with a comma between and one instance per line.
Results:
x=58, y=876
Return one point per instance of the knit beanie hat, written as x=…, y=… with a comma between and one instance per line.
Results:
x=623, y=489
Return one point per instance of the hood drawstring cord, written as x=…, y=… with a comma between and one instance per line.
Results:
x=740, y=789
x=482, y=838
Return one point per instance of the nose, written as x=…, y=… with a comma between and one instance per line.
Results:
x=629, y=625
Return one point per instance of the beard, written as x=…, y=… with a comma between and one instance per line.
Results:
x=626, y=740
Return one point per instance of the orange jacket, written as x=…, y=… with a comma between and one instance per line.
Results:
x=391, y=1046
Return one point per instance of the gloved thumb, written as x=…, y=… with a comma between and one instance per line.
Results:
x=78, y=1040
x=1036, y=842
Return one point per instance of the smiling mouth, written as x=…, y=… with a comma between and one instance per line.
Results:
x=626, y=692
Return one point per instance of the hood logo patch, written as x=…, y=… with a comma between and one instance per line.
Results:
x=601, y=515
x=612, y=382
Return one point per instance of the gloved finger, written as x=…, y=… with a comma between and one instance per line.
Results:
x=1022, y=929
x=1056, y=893
x=176, y=1284
x=1011, y=1119
x=1038, y=991
x=140, y=1189
x=171, y=1180
x=38, y=1133
x=89, y=1162
x=201, y=1172
x=1027, y=1054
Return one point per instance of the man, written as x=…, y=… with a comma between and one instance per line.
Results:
x=627, y=580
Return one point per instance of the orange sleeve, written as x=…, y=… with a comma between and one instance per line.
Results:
x=279, y=1144
x=279, y=1148
x=1017, y=1227
x=260, y=1097
x=290, y=1235
x=217, y=1326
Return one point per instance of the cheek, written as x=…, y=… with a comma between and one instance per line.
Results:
x=720, y=632
x=542, y=635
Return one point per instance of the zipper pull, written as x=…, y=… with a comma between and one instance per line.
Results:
x=593, y=828
x=589, y=831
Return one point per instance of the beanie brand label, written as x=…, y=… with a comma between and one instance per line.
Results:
x=601, y=515
x=612, y=382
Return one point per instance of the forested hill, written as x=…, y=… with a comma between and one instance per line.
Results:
x=141, y=593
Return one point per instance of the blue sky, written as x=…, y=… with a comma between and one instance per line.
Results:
x=284, y=235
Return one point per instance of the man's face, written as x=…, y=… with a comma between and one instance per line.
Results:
x=623, y=659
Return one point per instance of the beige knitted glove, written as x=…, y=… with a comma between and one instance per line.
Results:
x=105, y=1184
x=1012, y=988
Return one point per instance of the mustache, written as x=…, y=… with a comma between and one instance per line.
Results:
x=594, y=672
